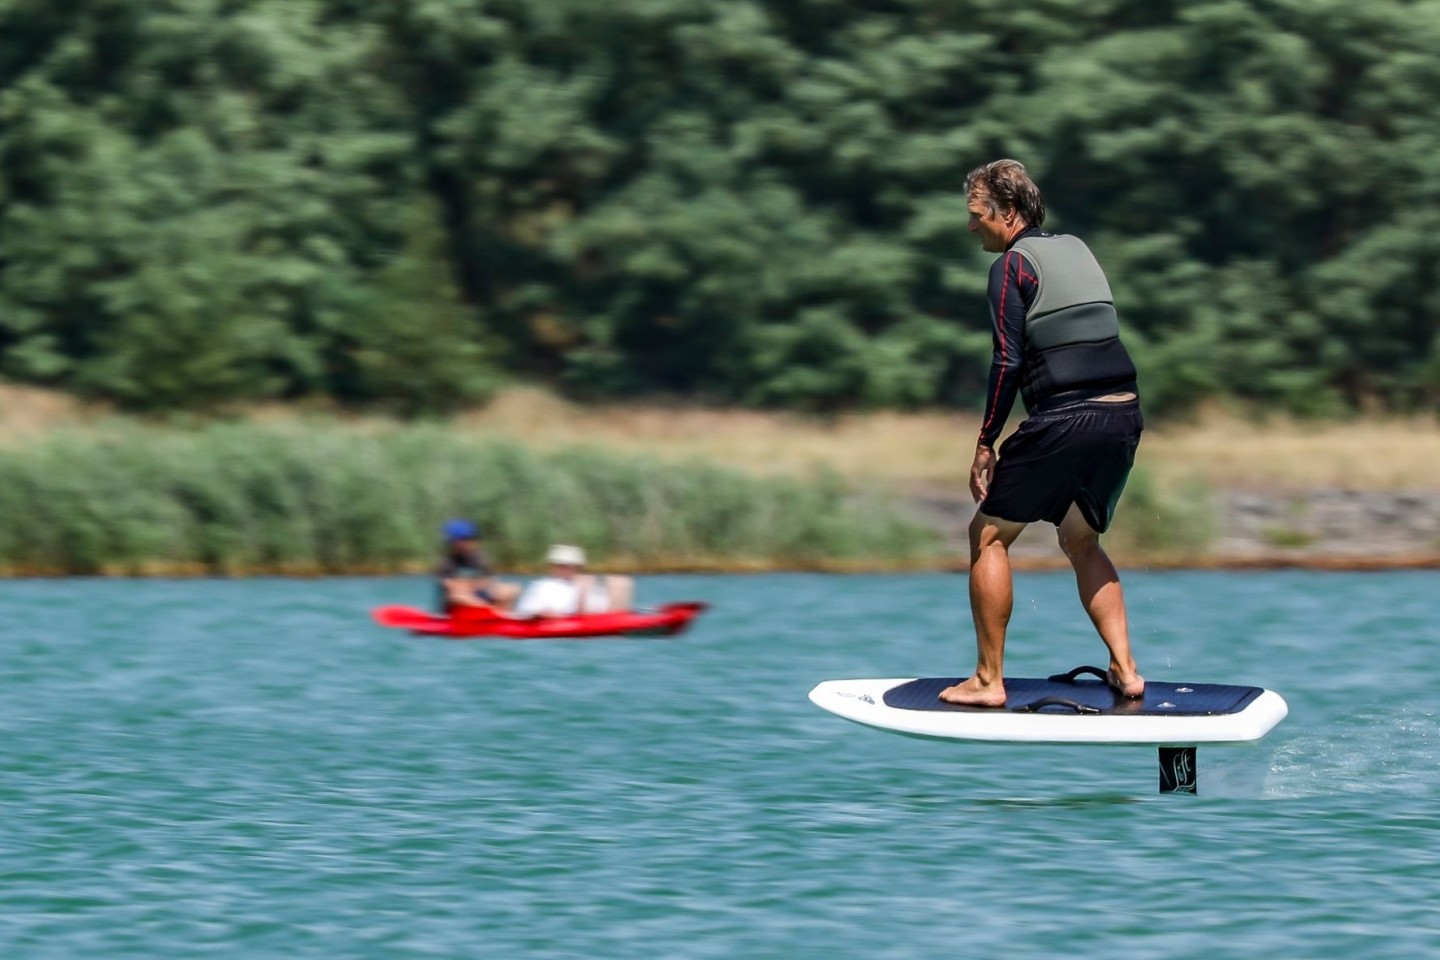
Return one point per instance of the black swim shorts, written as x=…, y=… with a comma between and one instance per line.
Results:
x=1078, y=454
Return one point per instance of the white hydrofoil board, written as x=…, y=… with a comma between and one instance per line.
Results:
x=1064, y=708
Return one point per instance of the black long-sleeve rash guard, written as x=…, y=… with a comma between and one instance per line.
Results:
x=1013, y=287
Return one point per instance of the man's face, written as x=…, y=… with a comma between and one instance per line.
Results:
x=994, y=228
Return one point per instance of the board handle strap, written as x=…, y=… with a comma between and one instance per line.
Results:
x=1034, y=705
x=1073, y=674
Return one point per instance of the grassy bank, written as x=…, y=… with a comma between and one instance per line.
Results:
x=1218, y=448
x=282, y=490
x=316, y=498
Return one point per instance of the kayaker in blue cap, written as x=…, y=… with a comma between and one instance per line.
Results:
x=465, y=577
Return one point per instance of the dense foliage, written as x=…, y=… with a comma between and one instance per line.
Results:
x=752, y=201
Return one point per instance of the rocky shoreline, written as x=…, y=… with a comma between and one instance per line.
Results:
x=1321, y=528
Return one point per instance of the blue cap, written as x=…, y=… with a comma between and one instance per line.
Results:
x=460, y=530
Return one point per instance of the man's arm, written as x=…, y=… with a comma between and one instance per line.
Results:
x=460, y=591
x=1012, y=288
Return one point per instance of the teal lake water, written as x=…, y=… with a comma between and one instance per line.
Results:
x=252, y=769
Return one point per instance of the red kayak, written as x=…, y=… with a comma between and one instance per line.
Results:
x=666, y=621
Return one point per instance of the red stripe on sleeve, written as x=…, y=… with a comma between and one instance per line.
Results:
x=1004, y=345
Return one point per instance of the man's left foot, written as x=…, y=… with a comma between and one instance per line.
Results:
x=1131, y=689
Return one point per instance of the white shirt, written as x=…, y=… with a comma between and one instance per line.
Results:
x=561, y=598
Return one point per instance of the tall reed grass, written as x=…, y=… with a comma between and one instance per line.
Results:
x=297, y=498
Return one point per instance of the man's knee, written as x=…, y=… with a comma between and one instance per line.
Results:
x=621, y=591
x=1077, y=541
x=977, y=528
x=987, y=532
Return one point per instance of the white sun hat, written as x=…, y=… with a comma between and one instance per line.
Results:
x=567, y=555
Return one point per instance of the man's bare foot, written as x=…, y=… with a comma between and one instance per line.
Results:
x=972, y=693
x=1131, y=688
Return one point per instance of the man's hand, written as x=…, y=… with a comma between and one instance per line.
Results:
x=981, y=471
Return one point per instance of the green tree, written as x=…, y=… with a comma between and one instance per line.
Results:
x=753, y=201
x=198, y=197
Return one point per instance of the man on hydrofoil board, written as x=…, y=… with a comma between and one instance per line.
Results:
x=1057, y=343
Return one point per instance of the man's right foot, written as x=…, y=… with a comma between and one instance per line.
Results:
x=971, y=693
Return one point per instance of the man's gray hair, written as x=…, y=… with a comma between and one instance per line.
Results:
x=1005, y=186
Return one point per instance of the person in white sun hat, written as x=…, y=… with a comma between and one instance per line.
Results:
x=568, y=590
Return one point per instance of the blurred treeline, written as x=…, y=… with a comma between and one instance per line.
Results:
x=746, y=201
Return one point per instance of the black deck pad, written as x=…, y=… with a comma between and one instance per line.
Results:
x=1084, y=695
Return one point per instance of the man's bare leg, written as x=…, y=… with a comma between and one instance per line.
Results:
x=992, y=598
x=1103, y=598
x=505, y=594
x=621, y=590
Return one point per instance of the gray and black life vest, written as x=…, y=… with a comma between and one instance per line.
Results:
x=1072, y=334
